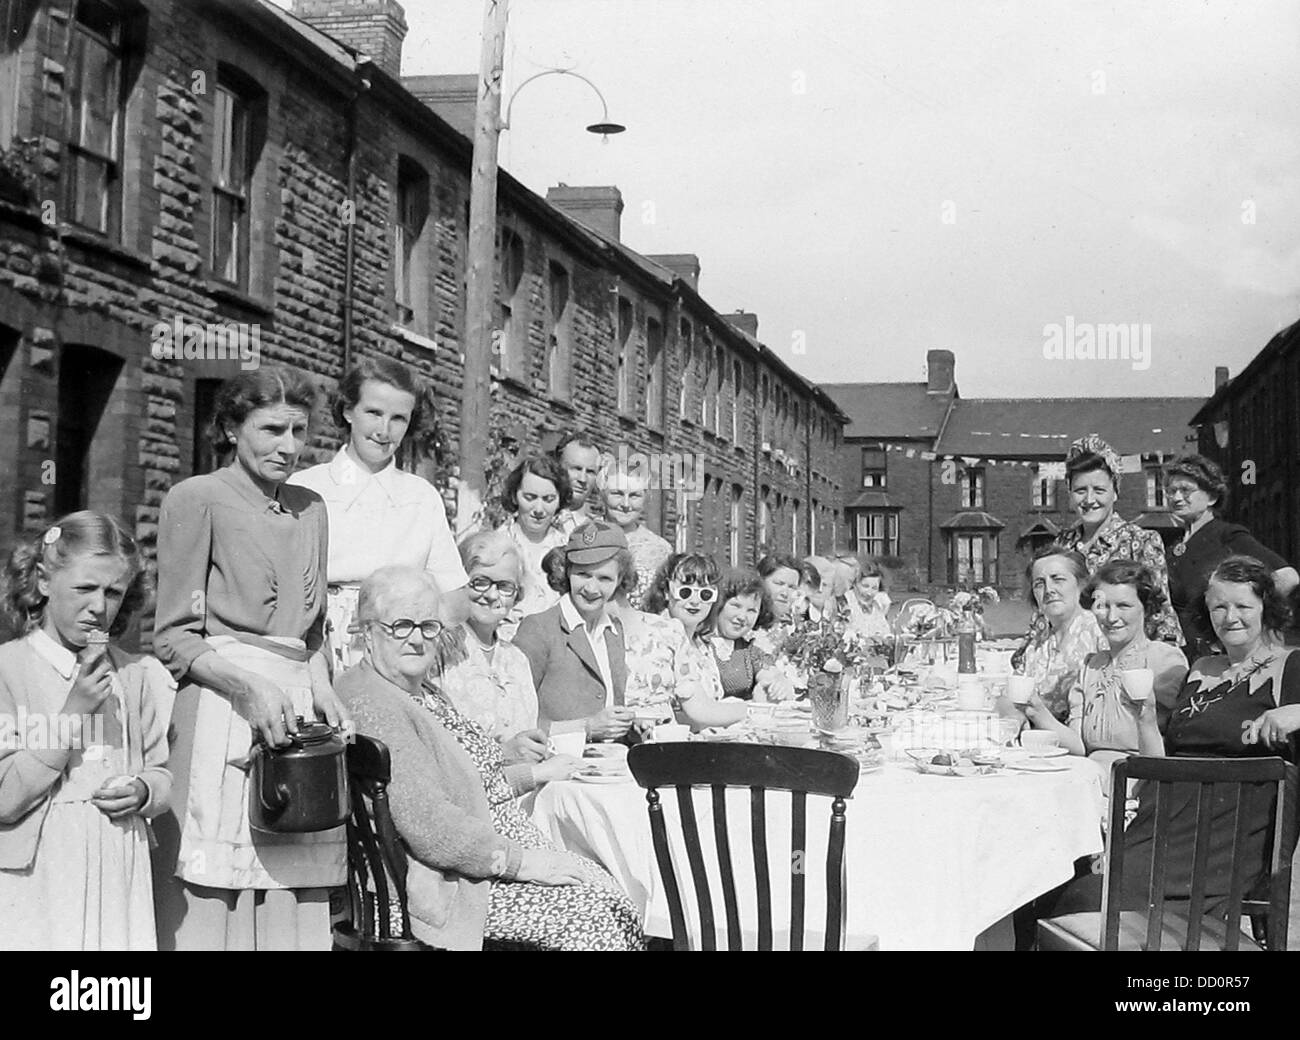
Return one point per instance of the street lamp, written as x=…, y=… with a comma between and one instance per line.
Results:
x=480, y=282
x=605, y=127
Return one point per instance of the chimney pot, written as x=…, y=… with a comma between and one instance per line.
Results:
x=455, y=98
x=599, y=207
x=376, y=28
x=685, y=265
x=940, y=368
x=746, y=321
x=1220, y=376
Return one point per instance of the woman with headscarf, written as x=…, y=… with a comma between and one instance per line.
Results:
x=1092, y=470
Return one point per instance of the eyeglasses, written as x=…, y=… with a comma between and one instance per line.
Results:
x=1183, y=490
x=505, y=589
x=704, y=593
x=403, y=627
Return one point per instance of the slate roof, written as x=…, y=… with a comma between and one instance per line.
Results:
x=1044, y=427
x=890, y=411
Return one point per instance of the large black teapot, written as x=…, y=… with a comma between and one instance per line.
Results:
x=302, y=786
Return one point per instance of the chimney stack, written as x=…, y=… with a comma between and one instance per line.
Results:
x=746, y=321
x=598, y=207
x=452, y=97
x=1220, y=376
x=685, y=265
x=940, y=367
x=376, y=28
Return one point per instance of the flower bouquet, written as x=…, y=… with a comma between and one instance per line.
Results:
x=818, y=655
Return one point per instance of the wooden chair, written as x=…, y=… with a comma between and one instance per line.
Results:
x=376, y=883
x=1183, y=922
x=761, y=768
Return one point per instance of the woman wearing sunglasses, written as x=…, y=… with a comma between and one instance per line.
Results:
x=686, y=591
x=486, y=676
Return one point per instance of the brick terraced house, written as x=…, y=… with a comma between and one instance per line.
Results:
x=1251, y=427
x=959, y=492
x=231, y=166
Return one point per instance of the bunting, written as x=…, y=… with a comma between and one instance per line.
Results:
x=1051, y=470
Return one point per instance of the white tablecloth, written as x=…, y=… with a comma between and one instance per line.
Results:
x=931, y=861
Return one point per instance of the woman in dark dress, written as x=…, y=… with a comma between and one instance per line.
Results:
x=1242, y=703
x=743, y=606
x=1195, y=488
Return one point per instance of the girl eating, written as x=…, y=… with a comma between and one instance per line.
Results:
x=83, y=761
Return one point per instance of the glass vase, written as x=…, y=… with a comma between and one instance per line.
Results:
x=828, y=695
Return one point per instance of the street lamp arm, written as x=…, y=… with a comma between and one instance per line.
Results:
x=505, y=123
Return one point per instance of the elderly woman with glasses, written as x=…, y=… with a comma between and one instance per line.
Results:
x=485, y=675
x=477, y=868
x=1195, y=489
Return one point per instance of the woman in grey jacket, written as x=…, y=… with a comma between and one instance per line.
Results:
x=478, y=869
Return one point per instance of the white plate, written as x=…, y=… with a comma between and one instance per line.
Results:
x=603, y=778
x=1047, y=752
x=1038, y=765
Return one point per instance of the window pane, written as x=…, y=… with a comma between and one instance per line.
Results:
x=90, y=192
x=226, y=212
x=222, y=130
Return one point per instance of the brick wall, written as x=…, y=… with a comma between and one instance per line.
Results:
x=62, y=289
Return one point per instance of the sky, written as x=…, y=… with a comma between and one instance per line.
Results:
x=877, y=179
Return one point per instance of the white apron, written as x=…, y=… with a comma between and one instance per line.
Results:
x=218, y=847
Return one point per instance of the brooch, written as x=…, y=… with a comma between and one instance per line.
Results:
x=1180, y=548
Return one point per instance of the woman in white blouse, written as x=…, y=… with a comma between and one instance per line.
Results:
x=380, y=515
x=534, y=492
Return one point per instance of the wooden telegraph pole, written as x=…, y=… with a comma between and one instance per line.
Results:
x=475, y=391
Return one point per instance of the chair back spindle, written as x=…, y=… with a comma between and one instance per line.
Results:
x=760, y=768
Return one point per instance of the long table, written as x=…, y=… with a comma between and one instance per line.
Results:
x=931, y=861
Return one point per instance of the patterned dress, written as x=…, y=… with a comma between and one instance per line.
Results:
x=592, y=915
x=1055, y=660
x=1120, y=540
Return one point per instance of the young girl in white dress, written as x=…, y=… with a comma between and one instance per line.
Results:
x=83, y=744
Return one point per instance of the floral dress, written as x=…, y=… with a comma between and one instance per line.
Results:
x=664, y=668
x=1121, y=540
x=1055, y=660
x=592, y=915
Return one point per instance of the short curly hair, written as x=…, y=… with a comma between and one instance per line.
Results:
x=1143, y=581
x=1246, y=570
x=83, y=533
x=241, y=395
x=556, y=567
x=544, y=466
x=778, y=561
x=1204, y=473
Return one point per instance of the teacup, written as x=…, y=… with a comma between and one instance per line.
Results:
x=671, y=733
x=1020, y=688
x=1039, y=740
x=569, y=743
x=1138, y=682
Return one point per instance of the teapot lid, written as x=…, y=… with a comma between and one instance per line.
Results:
x=314, y=732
